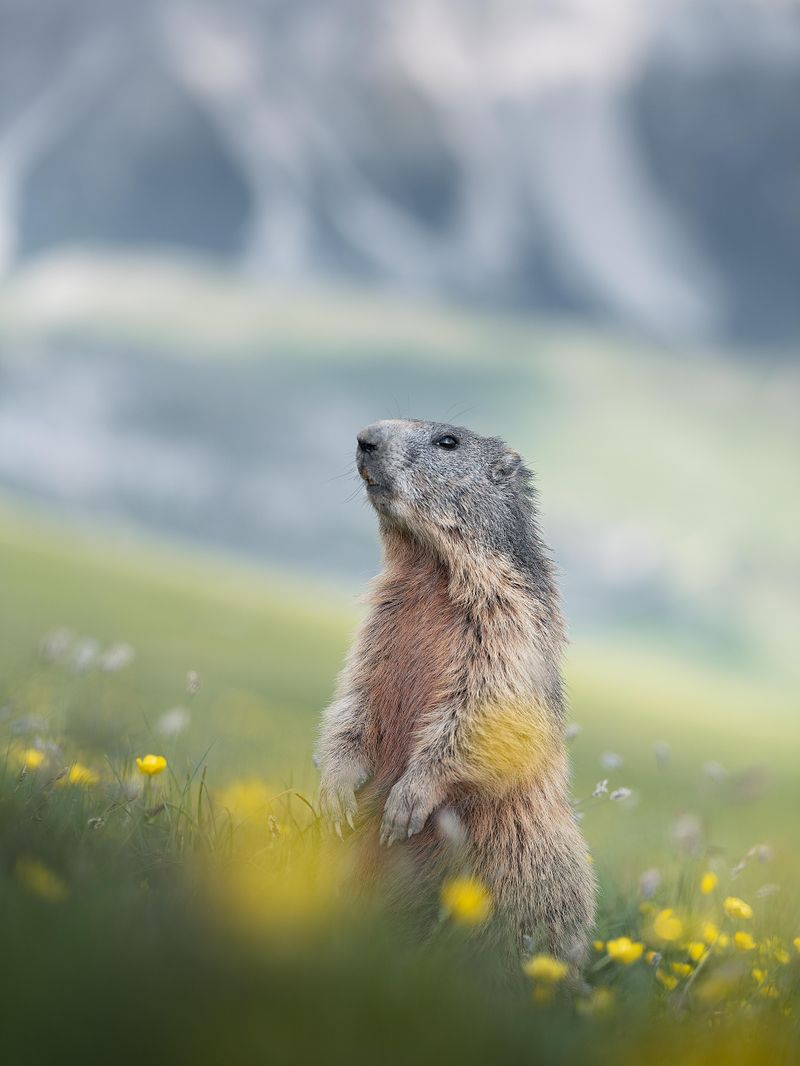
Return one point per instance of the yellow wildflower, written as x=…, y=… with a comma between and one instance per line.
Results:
x=39, y=879
x=667, y=926
x=682, y=969
x=759, y=975
x=652, y=956
x=737, y=908
x=599, y=1003
x=796, y=943
x=152, y=764
x=545, y=968
x=708, y=882
x=466, y=900
x=722, y=942
x=743, y=941
x=696, y=950
x=81, y=775
x=598, y=945
x=32, y=758
x=542, y=994
x=624, y=950
x=667, y=980
x=781, y=956
x=710, y=932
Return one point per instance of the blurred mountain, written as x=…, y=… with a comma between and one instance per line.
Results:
x=633, y=161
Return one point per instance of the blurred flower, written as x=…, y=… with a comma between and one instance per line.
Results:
x=598, y=1004
x=715, y=771
x=32, y=758
x=81, y=775
x=796, y=943
x=708, y=882
x=84, y=654
x=667, y=980
x=653, y=958
x=620, y=794
x=466, y=900
x=696, y=950
x=743, y=941
x=116, y=658
x=667, y=925
x=663, y=753
x=767, y=890
x=687, y=832
x=152, y=764
x=39, y=879
x=762, y=852
x=599, y=945
x=710, y=932
x=609, y=760
x=682, y=969
x=56, y=644
x=571, y=731
x=624, y=950
x=545, y=968
x=737, y=908
x=722, y=942
x=192, y=682
x=649, y=882
x=600, y=788
x=450, y=827
x=246, y=800
x=173, y=722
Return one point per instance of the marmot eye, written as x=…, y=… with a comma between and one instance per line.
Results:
x=446, y=442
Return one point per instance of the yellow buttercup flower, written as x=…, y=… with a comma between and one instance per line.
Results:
x=696, y=950
x=39, y=879
x=599, y=1003
x=759, y=975
x=667, y=980
x=737, y=908
x=152, y=764
x=81, y=775
x=667, y=925
x=32, y=758
x=743, y=941
x=682, y=969
x=598, y=945
x=796, y=943
x=708, y=882
x=710, y=932
x=466, y=900
x=722, y=941
x=624, y=950
x=546, y=969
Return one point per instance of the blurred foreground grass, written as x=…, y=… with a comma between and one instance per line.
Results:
x=194, y=914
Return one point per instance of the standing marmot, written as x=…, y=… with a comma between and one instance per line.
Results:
x=452, y=696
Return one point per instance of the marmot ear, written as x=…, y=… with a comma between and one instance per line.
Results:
x=505, y=467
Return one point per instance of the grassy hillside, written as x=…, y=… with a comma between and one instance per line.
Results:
x=215, y=923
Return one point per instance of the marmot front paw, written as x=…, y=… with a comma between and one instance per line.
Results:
x=407, y=809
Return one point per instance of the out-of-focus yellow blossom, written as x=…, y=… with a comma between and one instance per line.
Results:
x=646, y=907
x=466, y=900
x=723, y=941
x=32, y=758
x=624, y=950
x=759, y=975
x=768, y=991
x=667, y=980
x=545, y=968
x=743, y=941
x=542, y=994
x=737, y=908
x=796, y=943
x=696, y=950
x=152, y=764
x=667, y=925
x=39, y=879
x=81, y=775
x=598, y=945
x=772, y=946
x=652, y=956
x=708, y=882
x=598, y=1004
x=710, y=932
x=682, y=969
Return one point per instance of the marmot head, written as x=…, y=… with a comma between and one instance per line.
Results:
x=434, y=480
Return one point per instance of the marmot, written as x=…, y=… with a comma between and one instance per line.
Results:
x=451, y=699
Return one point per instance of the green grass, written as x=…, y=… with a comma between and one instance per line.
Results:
x=138, y=945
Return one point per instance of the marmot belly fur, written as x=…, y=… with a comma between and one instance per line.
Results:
x=449, y=715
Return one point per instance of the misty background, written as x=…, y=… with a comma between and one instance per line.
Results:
x=233, y=233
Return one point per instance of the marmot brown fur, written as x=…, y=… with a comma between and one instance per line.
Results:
x=449, y=713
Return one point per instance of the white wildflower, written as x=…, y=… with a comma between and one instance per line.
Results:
x=600, y=788
x=173, y=722
x=116, y=657
x=609, y=760
x=192, y=682
x=649, y=882
x=572, y=731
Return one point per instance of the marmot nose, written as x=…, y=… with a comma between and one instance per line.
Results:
x=369, y=439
